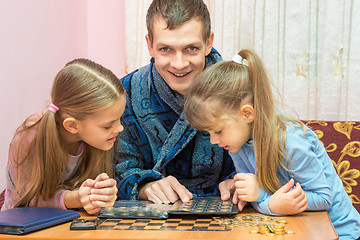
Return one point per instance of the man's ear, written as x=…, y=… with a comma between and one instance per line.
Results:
x=149, y=45
x=71, y=125
x=247, y=112
x=209, y=43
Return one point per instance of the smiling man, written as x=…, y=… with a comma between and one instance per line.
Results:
x=162, y=158
x=179, y=53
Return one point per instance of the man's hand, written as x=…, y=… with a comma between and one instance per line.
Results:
x=166, y=190
x=288, y=199
x=226, y=188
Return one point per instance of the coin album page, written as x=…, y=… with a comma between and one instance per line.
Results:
x=145, y=209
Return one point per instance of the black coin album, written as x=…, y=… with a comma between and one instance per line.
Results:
x=143, y=209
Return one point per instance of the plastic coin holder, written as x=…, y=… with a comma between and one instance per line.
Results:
x=144, y=209
x=135, y=209
x=205, y=205
x=84, y=224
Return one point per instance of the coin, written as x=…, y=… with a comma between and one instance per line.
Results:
x=271, y=234
x=279, y=231
x=278, y=226
x=281, y=220
x=269, y=226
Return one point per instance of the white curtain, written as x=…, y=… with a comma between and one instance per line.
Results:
x=310, y=48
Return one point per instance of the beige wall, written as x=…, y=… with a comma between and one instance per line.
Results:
x=310, y=48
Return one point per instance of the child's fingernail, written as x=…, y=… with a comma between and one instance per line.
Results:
x=92, y=191
x=91, y=197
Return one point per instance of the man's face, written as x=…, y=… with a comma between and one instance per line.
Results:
x=179, y=53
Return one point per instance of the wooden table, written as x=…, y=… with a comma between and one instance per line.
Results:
x=307, y=225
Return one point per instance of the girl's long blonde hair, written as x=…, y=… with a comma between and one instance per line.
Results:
x=80, y=89
x=218, y=91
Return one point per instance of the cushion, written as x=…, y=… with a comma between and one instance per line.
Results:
x=342, y=143
x=2, y=196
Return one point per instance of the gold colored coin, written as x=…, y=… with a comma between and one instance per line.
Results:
x=279, y=232
x=281, y=220
x=269, y=226
x=271, y=234
x=278, y=226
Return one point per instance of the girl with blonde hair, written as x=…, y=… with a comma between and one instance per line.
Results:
x=63, y=157
x=282, y=167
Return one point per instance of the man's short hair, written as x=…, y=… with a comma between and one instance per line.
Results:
x=176, y=13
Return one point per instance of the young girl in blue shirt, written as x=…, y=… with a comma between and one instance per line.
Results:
x=283, y=168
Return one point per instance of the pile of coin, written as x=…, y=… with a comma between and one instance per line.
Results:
x=271, y=229
x=270, y=226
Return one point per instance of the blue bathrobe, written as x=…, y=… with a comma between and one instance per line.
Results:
x=157, y=141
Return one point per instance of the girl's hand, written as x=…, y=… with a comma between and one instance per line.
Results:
x=84, y=196
x=104, y=192
x=247, y=187
x=288, y=199
x=227, y=187
x=241, y=204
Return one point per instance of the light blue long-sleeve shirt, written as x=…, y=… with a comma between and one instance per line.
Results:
x=312, y=167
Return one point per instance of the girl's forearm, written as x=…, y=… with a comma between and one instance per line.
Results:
x=72, y=199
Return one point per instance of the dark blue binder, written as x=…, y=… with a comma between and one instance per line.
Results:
x=23, y=220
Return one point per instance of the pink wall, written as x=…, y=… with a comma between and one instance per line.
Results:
x=106, y=34
x=37, y=38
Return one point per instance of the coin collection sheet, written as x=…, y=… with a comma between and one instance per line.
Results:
x=143, y=209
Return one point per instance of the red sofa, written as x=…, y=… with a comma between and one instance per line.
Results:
x=2, y=198
x=342, y=142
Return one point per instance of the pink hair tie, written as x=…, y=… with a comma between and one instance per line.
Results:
x=53, y=108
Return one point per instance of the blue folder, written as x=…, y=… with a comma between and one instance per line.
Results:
x=23, y=220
